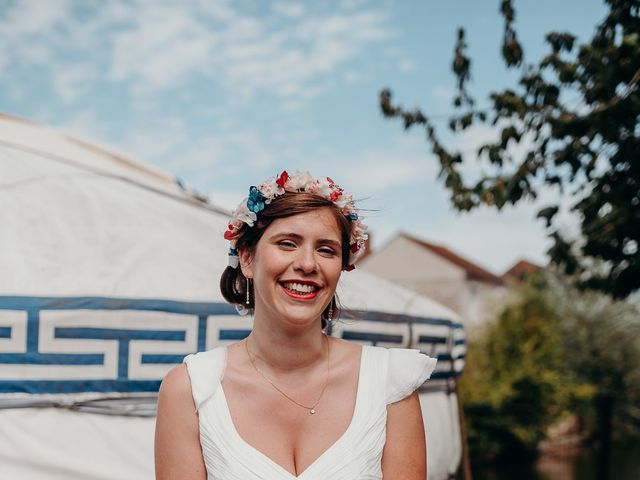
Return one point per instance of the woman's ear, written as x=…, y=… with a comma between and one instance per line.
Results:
x=246, y=257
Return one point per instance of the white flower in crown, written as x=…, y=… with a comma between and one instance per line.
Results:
x=322, y=187
x=345, y=202
x=270, y=190
x=358, y=232
x=243, y=214
x=299, y=182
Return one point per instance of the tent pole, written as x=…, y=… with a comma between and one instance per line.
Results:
x=466, y=461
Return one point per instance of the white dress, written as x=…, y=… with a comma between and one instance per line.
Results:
x=386, y=376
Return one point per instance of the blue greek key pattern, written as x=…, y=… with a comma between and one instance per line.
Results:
x=97, y=344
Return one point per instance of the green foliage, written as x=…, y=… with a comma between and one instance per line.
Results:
x=602, y=341
x=552, y=352
x=512, y=386
x=576, y=113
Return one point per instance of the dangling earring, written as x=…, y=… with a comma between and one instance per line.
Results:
x=247, y=300
x=330, y=312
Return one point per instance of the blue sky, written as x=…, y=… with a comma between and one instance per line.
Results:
x=224, y=94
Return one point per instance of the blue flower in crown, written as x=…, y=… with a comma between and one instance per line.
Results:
x=255, y=202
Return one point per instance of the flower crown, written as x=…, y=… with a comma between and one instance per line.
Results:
x=299, y=182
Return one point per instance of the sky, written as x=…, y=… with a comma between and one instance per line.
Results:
x=223, y=94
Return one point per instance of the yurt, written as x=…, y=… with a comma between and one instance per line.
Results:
x=109, y=273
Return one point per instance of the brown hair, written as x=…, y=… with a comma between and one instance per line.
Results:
x=233, y=284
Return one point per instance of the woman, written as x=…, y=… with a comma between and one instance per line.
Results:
x=289, y=401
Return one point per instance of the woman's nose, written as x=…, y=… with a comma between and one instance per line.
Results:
x=306, y=260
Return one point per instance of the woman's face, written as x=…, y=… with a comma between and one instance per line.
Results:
x=295, y=267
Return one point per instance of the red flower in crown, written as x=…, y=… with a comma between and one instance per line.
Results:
x=231, y=232
x=336, y=191
x=282, y=180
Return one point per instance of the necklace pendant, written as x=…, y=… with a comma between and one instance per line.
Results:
x=312, y=412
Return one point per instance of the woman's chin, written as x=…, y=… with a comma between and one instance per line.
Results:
x=301, y=316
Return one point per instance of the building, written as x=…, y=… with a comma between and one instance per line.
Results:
x=441, y=274
x=520, y=271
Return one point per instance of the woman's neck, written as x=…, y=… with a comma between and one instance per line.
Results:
x=285, y=351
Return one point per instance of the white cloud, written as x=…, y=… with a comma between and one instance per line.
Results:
x=407, y=65
x=291, y=61
x=228, y=199
x=160, y=45
x=201, y=160
x=31, y=17
x=353, y=77
x=161, y=140
x=163, y=45
x=24, y=28
x=221, y=10
x=72, y=81
x=443, y=92
x=371, y=171
x=84, y=124
x=288, y=9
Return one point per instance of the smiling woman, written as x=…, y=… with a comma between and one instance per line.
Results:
x=289, y=401
x=333, y=238
x=295, y=267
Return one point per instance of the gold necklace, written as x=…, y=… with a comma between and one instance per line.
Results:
x=312, y=409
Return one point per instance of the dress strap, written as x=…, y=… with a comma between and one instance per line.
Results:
x=205, y=371
x=407, y=370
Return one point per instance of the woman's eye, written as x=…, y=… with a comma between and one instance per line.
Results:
x=287, y=244
x=327, y=251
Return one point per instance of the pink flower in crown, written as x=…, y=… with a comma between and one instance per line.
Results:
x=243, y=214
x=299, y=182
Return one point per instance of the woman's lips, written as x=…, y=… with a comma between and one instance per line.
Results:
x=300, y=295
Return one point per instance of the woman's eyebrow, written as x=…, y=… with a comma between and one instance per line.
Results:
x=285, y=235
x=329, y=241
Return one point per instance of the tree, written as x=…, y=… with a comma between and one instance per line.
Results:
x=552, y=352
x=514, y=384
x=601, y=339
x=576, y=111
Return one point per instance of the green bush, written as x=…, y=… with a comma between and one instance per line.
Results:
x=550, y=353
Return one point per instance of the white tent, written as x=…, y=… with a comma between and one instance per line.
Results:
x=109, y=275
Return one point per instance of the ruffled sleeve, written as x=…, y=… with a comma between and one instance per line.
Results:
x=205, y=372
x=407, y=370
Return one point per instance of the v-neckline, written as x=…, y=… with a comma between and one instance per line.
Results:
x=265, y=457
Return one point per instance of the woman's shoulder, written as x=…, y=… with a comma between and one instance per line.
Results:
x=176, y=443
x=344, y=349
x=176, y=383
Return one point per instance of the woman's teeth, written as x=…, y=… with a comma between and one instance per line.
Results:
x=300, y=287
